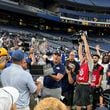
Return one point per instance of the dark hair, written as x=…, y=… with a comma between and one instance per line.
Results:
x=96, y=55
x=57, y=53
x=103, y=59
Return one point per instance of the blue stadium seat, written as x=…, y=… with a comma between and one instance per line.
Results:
x=86, y=2
x=104, y=3
x=86, y=14
x=71, y=0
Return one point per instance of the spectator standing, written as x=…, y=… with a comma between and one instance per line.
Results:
x=17, y=77
x=3, y=60
x=52, y=82
x=69, y=79
x=97, y=76
x=8, y=98
x=82, y=91
x=104, y=61
x=68, y=86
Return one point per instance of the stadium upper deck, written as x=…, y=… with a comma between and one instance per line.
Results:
x=79, y=12
x=97, y=3
x=100, y=3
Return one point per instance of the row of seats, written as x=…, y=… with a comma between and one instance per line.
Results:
x=103, y=44
x=102, y=3
x=87, y=14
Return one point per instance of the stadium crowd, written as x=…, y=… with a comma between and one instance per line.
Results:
x=81, y=83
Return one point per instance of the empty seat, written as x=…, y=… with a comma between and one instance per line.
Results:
x=103, y=3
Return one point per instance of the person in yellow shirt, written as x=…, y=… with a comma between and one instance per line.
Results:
x=3, y=58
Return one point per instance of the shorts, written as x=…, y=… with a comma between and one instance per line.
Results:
x=68, y=100
x=47, y=92
x=96, y=93
x=25, y=108
x=82, y=95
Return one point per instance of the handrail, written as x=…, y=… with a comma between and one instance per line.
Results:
x=86, y=21
x=101, y=50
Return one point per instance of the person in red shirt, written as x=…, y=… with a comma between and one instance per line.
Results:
x=96, y=79
x=82, y=91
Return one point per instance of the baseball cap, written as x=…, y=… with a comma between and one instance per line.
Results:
x=3, y=52
x=6, y=91
x=17, y=55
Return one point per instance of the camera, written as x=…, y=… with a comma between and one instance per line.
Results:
x=77, y=37
x=81, y=33
x=80, y=40
x=70, y=66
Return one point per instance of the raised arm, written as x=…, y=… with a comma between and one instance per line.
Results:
x=87, y=50
x=80, y=52
x=98, y=49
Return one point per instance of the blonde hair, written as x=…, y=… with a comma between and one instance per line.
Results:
x=50, y=103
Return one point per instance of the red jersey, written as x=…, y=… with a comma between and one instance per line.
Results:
x=96, y=75
x=83, y=75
